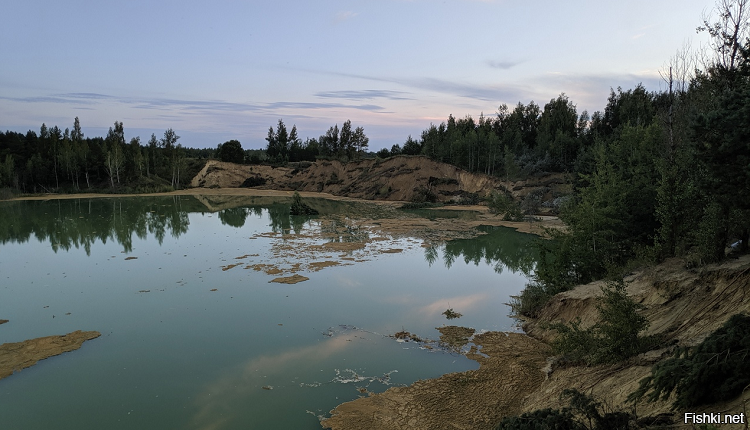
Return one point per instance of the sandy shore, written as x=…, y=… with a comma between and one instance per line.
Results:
x=510, y=365
x=19, y=355
x=400, y=224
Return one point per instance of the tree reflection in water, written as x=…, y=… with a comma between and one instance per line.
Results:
x=501, y=247
x=79, y=223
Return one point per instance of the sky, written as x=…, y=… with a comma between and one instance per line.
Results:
x=221, y=70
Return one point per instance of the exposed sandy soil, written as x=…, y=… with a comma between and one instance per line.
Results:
x=394, y=179
x=684, y=306
x=290, y=279
x=519, y=376
x=20, y=355
x=476, y=399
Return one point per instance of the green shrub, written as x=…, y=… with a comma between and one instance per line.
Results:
x=542, y=419
x=716, y=370
x=6, y=193
x=501, y=203
x=423, y=195
x=585, y=413
x=253, y=181
x=614, y=338
x=299, y=207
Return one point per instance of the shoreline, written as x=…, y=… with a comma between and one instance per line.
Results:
x=536, y=226
x=465, y=397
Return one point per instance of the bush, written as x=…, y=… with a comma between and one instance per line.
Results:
x=716, y=370
x=231, y=151
x=585, y=412
x=614, y=338
x=253, y=181
x=423, y=195
x=299, y=207
x=542, y=419
x=501, y=203
x=6, y=193
x=532, y=201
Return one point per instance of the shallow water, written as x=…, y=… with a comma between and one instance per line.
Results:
x=252, y=354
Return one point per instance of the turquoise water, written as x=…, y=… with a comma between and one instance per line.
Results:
x=175, y=355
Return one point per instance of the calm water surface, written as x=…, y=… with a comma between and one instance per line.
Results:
x=175, y=355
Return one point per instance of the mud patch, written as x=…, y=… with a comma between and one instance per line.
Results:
x=454, y=338
x=477, y=399
x=343, y=246
x=290, y=279
x=17, y=356
x=318, y=265
x=392, y=251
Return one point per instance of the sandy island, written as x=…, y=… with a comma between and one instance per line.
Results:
x=17, y=356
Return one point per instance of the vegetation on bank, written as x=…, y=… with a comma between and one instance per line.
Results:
x=661, y=174
x=615, y=337
x=584, y=412
x=58, y=160
x=716, y=370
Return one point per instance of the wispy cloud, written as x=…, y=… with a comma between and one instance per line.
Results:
x=186, y=106
x=504, y=65
x=469, y=90
x=344, y=16
x=364, y=95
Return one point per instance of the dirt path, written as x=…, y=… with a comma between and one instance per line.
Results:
x=510, y=367
x=17, y=356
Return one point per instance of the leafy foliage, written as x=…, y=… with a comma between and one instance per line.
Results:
x=501, y=203
x=299, y=207
x=615, y=337
x=541, y=419
x=584, y=413
x=716, y=370
x=231, y=151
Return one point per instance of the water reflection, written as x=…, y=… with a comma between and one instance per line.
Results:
x=80, y=223
x=501, y=247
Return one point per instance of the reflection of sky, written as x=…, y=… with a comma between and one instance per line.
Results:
x=210, y=352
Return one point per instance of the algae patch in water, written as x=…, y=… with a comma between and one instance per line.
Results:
x=290, y=279
x=20, y=355
x=317, y=265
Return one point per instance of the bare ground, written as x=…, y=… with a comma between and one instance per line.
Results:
x=518, y=376
x=476, y=399
x=17, y=356
x=394, y=179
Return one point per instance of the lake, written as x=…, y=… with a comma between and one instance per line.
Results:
x=194, y=336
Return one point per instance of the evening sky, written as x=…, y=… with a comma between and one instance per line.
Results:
x=223, y=70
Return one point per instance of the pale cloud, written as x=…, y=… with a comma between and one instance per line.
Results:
x=504, y=65
x=461, y=304
x=364, y=94
x=212, y=409
x=344, y=16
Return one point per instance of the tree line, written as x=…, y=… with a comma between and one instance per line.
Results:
x=56, y=159
x=657, y=174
